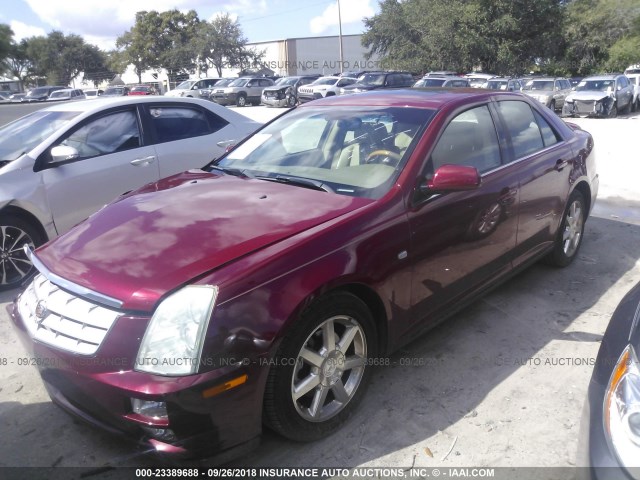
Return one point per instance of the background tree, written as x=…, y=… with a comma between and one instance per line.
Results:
x=18, y=64
x=502, y=36
x=137, y=46
x=60, y=58
x=220, y=44
x=6, y=35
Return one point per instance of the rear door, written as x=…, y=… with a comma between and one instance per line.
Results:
x=112, y=159
x=544, y=161
x=186, y=135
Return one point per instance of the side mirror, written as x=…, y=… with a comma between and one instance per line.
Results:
x=62, y=153
x=452, y=178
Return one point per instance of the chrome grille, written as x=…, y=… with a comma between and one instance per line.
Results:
x=63, y=320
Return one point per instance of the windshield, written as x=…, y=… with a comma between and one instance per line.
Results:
x=497, y=84
x=140, y=89
x=288, y=81
x=356, y=151
x=38, y=91
x=26, y=133
x=240, y=82
x=477, y=82
x=598, y=85
x=60, y=94
x=113, y=91
x=430, y=82
x=539, y=85
x=223, y=82
x=186, y=85
x=325, y=81
x=372, y=79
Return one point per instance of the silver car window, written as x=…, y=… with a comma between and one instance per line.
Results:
x=107, y=134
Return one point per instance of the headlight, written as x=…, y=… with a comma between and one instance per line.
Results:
x=173, y=342
x=622, y=410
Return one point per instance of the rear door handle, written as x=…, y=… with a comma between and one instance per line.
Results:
x=143, y=162
x=560, y=164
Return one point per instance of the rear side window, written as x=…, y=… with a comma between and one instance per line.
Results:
x=549, y=136
x=526, y=137
x=470, y=139
x=179, y=123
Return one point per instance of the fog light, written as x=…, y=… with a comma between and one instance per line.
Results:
x=163, y=434
x=150, y=409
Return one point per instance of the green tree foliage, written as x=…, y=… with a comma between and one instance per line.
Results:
x=60, y=58
x=602, y=35
x=17, y=63
x=6, y=35
x=161, y=40
x=220, y=44
x=502, y=36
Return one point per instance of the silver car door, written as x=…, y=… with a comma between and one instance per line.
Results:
x=110, y=161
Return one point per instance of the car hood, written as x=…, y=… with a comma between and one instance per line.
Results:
x=151, y=242
x=588, y=95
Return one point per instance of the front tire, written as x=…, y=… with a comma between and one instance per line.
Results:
x=241, y=101
x=15, y=268
x=552, y=106
x=570, y=233
x=320, y=372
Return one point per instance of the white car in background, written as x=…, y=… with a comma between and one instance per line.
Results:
x=60, y=164
x=193, y=88
x=66, y=95
x=323, y=87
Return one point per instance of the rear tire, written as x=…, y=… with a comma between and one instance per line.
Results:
x=320, y=372
x=570, y=234
x=15, y=268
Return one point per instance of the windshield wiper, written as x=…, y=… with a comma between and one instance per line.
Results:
x=300, y=182
x=236, y=172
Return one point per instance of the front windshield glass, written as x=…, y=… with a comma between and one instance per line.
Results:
x=27, y=132
x=288, y=81
x=356, y=151
x=186, y=85
x=325, y=81
x=430, y=82
x=38, y=91
x=539, y=85
x=372, y=79
x=113, y=91
x=240, y=82
x=223, y=83
x=477, y=82
x=497, y=84
x=598, y=85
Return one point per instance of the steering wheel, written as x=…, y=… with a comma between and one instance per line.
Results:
x=387, y=157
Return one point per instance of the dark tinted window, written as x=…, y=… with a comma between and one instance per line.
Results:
x=178, y=123
x=470, y=139
x=623, y=82
x=111, y=133
x=549, y=136
x=522, y=126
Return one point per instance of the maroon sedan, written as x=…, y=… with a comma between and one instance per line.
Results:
x=142, y=90
x=263, y=290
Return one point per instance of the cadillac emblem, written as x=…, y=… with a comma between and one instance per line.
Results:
x=41, y=310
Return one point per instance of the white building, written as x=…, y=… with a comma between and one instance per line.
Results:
x=301, y=56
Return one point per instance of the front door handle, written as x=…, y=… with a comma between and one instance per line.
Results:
x=143, y=162
x=560, y=164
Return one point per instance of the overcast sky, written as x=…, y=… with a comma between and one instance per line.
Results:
x=101, y=21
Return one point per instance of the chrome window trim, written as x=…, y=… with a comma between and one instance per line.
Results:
x=71, y=287
x=522, y=159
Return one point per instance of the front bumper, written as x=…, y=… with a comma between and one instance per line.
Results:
x=308, y=97
x=98, y=389
x=224, y=98
x=273, y=101
x=580, y=108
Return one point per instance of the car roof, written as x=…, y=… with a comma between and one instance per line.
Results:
x=411, y=97
x=91, y=105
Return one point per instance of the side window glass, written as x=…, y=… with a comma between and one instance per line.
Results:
x=108, y=134
x=549, y=136
x=522, y=127
x=470, y=139
x=178, y=123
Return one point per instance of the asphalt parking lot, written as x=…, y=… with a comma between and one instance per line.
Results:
x=501, y=384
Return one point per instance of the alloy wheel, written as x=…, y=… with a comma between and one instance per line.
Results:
x=329, y=368
x=573, y=228
x=14, y=264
